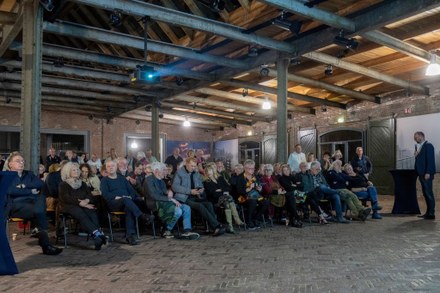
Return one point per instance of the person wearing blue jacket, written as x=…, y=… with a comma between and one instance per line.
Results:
x=425, y=168
x=26, y=200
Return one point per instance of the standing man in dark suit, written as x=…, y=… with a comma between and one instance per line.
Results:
x=425, y=168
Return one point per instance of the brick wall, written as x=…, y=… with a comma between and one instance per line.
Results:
x=104, y=136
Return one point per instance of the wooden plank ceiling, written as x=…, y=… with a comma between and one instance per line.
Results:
x=201, y=49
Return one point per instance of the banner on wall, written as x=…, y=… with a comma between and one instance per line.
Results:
x=185, y=146
x=227, y=151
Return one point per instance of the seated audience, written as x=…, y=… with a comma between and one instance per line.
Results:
x=95, y=162
x=52, y=158
x=299, y=175
x=310, y=158
x=149, y=157
x=92, y=181
x=363, y=188
x=26, y=201
x=169, y=209
x=238, y=170
x=174, y=160
x=188, y=189
x=222, y=171
x=314, y=183
x=272, y=190
x=325, y=163
x=249, y=195
x=338, y=180
x=140, y=157
x=120, y=196
x=76, y=199
x=288, y=183
x=337, y=156
x=217, y=191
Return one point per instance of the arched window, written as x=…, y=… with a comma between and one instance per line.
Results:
x=345, y=140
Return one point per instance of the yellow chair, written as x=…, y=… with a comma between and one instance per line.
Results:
x=119, y=214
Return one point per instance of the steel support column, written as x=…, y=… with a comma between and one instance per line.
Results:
x=282, y=66
x=155, y=137
x=31, y=85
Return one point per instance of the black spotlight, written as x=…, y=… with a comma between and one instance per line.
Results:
x=341, y=40
x=148, y=108
x=91, y=117
x=47, y=4
x=245, y=92
x=179, y=80
x=136, y=99
x=328, y=70
x=116, y=18
x=253, y=52
x=137, y=122
x=8, y=100
x=160, y=115
x=295, y=61
x=264, y=71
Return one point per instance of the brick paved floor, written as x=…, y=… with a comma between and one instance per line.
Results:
x=396, y=254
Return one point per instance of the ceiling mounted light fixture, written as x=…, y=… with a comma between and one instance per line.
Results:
x=186, y=123
x=433, y=68
x=328, y=71
x=264, y=71
x=253, y=52
x=179, y=80
x=282, y=22
x=115, y=18
x=341, y=40
x=267, y=105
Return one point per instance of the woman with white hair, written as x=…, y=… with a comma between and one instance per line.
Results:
x=77, y=200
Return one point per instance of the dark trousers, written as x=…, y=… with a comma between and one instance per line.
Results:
x=32, y=208
x=131, y=210
x=88, y=219
x=291, y=206
x=205, y=209
x=428, y=194
x=255, y=209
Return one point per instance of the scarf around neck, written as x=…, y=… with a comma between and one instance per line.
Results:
x=75, y=183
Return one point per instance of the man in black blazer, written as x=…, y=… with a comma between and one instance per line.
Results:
x=425, y=168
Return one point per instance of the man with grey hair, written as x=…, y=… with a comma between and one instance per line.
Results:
x=169, y=209
x=314, y=181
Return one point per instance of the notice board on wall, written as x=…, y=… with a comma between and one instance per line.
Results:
x=429, y=124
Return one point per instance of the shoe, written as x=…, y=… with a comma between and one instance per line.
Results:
x=297, y=224
x=98, y=243
x=429, y=217
x=251, y=226
x=322, y=220
x=188, y=235
x=132, y=240
x=218, y=231
x=52, y=250
x=376, y=216
x=342, y=220
x=230, y=230
x=167, y=234
x=35, y=233
x=377, y=208
x=364, y=214
x=422, y=216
